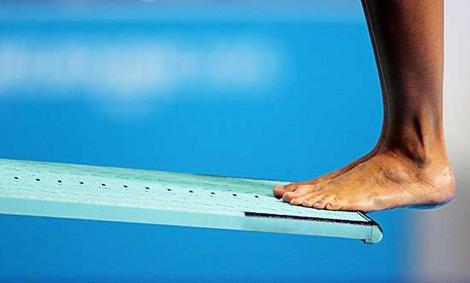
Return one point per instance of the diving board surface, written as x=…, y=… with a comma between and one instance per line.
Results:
x=154, y=197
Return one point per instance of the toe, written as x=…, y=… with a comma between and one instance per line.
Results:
x=300, y=199
x=280, y=190
x=312, y=200
x=334, y=204
x=321, y=204
x=302, y=192
x=287, y=197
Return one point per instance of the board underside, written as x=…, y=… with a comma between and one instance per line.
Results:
x=153, y=197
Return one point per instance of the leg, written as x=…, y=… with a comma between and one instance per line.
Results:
x=299, y=188
x=409, y=166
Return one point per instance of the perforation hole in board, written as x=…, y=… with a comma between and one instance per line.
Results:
x=124, y=186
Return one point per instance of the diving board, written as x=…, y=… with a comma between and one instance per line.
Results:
x=153, y=197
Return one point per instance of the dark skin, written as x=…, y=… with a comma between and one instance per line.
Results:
x=409, y=165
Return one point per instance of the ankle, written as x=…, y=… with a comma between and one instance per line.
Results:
x=417, y=154
x=418, y=137
x=419, y=147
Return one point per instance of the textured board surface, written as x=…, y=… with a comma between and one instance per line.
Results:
x=127, y=195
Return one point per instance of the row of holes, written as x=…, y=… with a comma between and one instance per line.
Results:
x=125, y=186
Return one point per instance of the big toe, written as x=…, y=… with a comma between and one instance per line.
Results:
x=280, y=190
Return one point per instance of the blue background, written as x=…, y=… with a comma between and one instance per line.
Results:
x=323, y=111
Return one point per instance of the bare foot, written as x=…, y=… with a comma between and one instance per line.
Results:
x=383, y=181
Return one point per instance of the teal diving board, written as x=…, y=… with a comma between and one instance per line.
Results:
x=153, y=197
